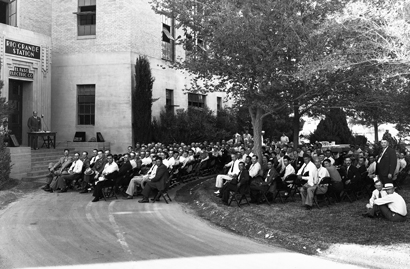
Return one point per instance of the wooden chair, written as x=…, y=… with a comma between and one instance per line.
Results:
x=164, y=192
x=323, y=197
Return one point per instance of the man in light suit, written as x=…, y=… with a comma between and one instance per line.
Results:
x=58, y=168
x=386, y=163
x=34, y=125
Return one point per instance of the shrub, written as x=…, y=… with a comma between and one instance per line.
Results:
x=5, y=162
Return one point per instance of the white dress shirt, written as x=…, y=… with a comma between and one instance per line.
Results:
x=110, y=168
x=254, y=169
x=152, y=172
x=146, y=161
x=312, y=177
x=234, y=170
x=133, y=163
x=289, y=170
x=375, y=196
x=76, y=167
x=321, y=173
x=395, y=203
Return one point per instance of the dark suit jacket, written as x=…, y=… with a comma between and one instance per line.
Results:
x=243, y=179
x=161, y=176
x=99, y=165
x=353, y=174
x=34, y=124
x=125, y=167
x=387, y=164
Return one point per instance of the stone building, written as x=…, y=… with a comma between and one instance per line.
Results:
x=73, y=62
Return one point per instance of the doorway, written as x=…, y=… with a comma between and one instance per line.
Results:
x=15, y=102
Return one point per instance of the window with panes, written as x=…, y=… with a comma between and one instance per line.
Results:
x=86, y=104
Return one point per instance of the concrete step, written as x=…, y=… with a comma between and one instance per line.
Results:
x=39, y=168
x=40, y=179
x=50, y=159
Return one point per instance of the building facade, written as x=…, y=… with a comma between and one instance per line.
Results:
x=94, y=44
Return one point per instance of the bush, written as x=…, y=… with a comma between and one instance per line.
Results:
x=194, y=125
x=5, y=162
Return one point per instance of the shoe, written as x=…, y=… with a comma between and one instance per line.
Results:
x=217, y=192
x=129, y=197
x=152, y=199
x=95, y=200
x=46, y=187
x=49, y=190
x=84, y=191
x=143, y=201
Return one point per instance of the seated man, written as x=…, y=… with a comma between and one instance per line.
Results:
x=372, y=210
x=92, y=174
x=308, y=172
x=255, y=168
x=157, y=183
x=106, y=178
x=392, y=206
x=233, y=171
x=58, y=168
x=235, y=183
x=259, y=185
x=123, y=172
x=75, y=172
x=141, y=180
x=308, y=190
x=352, y=176
x=337, y=184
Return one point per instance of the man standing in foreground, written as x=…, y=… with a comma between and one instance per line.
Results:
x=386, y=163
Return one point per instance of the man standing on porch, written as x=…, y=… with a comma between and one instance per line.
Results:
x=34, y=125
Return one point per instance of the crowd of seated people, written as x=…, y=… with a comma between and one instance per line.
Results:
x=348, y=174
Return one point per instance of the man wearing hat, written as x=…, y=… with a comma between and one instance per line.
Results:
x=386, y=163
x=392, y=206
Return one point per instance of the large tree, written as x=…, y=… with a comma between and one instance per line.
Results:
x=249, y=48
x=142, y=101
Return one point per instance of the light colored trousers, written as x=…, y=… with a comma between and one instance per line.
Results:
x=220, y=180
x=140, y=180
x=307, y=192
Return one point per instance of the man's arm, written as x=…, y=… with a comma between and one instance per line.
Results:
x=384, y=200
x=392, y=161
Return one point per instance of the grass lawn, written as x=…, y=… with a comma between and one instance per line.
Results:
x=294, y=227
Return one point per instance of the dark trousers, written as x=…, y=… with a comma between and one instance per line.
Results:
x=226, y=189
x=385, y=179
x=69, y=179
x=256, y=191
x=148, y=189
x=390, y=215
x=104, y=184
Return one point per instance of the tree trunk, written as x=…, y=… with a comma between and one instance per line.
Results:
x=296, y=119
x=256, y=116
x=376, y=132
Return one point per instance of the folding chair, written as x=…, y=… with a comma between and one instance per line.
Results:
x=325, y=196
x=164, y=192
x=348, y=193
x=109, y=192
x=291, y=191
x=239, y=195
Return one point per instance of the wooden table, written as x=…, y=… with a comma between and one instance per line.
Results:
x=49, y=138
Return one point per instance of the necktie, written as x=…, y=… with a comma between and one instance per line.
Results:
x=233, y=164
x=380, y=194
x=303, y=170
x=239, y=176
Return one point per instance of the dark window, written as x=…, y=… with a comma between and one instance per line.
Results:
x=196, y=100
x=169, y=100
x=86, y=104
x=8, y=12
x=86, y=17
x=168, y=41
x=219, y=103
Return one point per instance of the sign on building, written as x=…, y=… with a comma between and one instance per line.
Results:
x=21, y=73
x=22, y=49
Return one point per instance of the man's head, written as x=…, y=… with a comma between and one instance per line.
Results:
x=132, y=155
x=328, y=153
x=384, y=144
x=66, y=152
x=110, y=158
x=126, y=157
x=142, y=154
x=241, y=166
x=286, y=160
x=361, y=161
x=234, y=156
x=242, y=150
x=248, y=159
x=378, y=185
x=318, y=164
x=321, y=156
x=158, y=161
x=270, y=164
x=35, y=113
x=306, y=158
x=100, y=154
x=389, y=188
x=348, y=161
x=107, y=152
x=254, y=159
x=85, y=154
x=76, y=156
x=95, y=152
x=327, y=163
